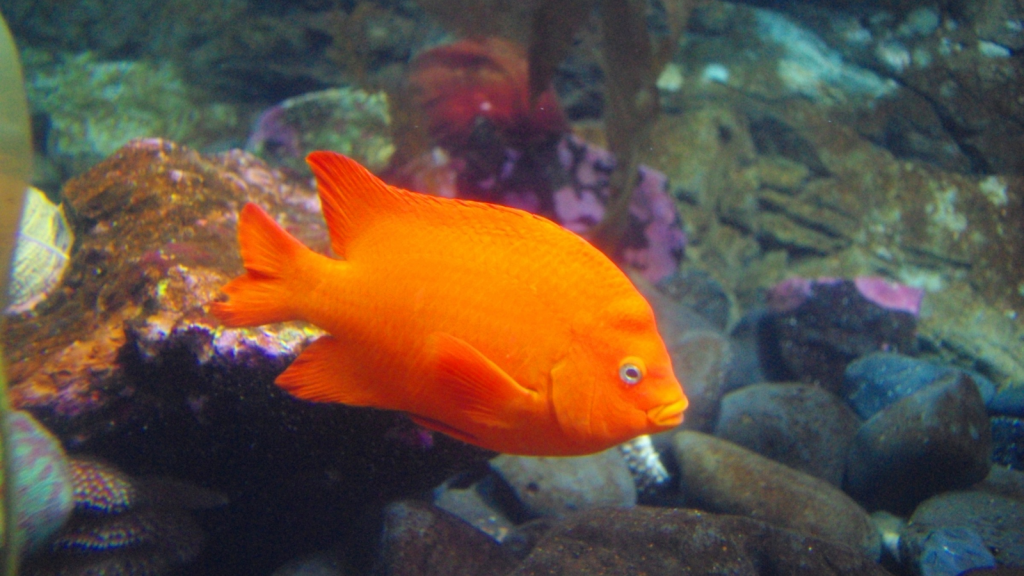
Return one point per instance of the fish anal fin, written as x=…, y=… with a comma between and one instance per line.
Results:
x=324, y=373
x=474, y=384
x=431, y=424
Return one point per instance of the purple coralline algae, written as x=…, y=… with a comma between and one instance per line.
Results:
x=818, y=326
x=654, y=241
x=791, y=293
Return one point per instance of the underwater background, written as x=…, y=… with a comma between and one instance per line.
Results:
x=823, y=203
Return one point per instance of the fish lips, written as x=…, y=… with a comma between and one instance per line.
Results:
x=668, y=415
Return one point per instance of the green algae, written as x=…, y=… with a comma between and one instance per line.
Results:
x=95, y=106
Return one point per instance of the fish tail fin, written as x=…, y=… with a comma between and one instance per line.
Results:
x=263, y=295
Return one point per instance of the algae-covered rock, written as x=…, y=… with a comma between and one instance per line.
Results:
x=128, y=363
x=348, y=120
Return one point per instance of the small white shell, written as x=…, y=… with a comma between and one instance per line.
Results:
x=41, y=254
x=645, y=464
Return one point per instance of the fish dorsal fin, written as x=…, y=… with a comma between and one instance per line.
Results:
x=350, y=195
x=474, y=384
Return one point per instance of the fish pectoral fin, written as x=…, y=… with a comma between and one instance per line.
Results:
x=477, y=386
x=431, y=424
x=324, y=373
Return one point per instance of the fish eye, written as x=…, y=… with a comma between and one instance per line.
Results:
x=632, y=370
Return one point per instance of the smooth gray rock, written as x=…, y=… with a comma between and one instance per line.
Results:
x=674, y=542
x=475, y=504
x=804, y=427
x=719, y=476
x=422, y=540
x=557, y=486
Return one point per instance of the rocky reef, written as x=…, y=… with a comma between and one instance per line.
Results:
x=847, y=317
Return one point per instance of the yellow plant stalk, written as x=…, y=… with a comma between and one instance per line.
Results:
x=15, y=169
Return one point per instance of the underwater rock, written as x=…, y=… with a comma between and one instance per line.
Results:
x=754, y=357
x=822, y=325
x=558, y=486
x=665, y=542
x=122, y=525
x=803, y=427
x=699, y=352
x=971, y=82
x=999, y=521
x=421, y=540
x=946, y=552
x=478, y=504
x=1008, y=441
x=346, y=120
x=719, y=476
x=125, y=362
x=1008, y=402
x=880, y=379
x=700, y=292
x=934, y=440
x=524, y=537
x=40, y=255
x=860, y=211
x=327, y=563
x=1003, y=481
x=154, y=217
x=95, y=106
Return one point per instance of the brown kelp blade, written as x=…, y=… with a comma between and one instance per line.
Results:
x=552, y=28
x=631, y=106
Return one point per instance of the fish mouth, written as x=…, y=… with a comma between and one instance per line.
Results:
x=668, y=415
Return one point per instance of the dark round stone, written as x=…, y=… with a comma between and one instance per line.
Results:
x=934, y=440
x=803, y=427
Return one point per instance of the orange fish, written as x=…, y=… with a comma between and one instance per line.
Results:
x=489, y=324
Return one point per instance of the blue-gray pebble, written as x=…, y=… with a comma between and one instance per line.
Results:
x=952, y=551
x=1008, y=402
x=877, y=380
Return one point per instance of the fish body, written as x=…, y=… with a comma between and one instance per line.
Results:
x=489, y=324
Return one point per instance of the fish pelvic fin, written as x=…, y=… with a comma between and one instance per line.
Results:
x=263, y=294
x=349, y=194
x=327, y=371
